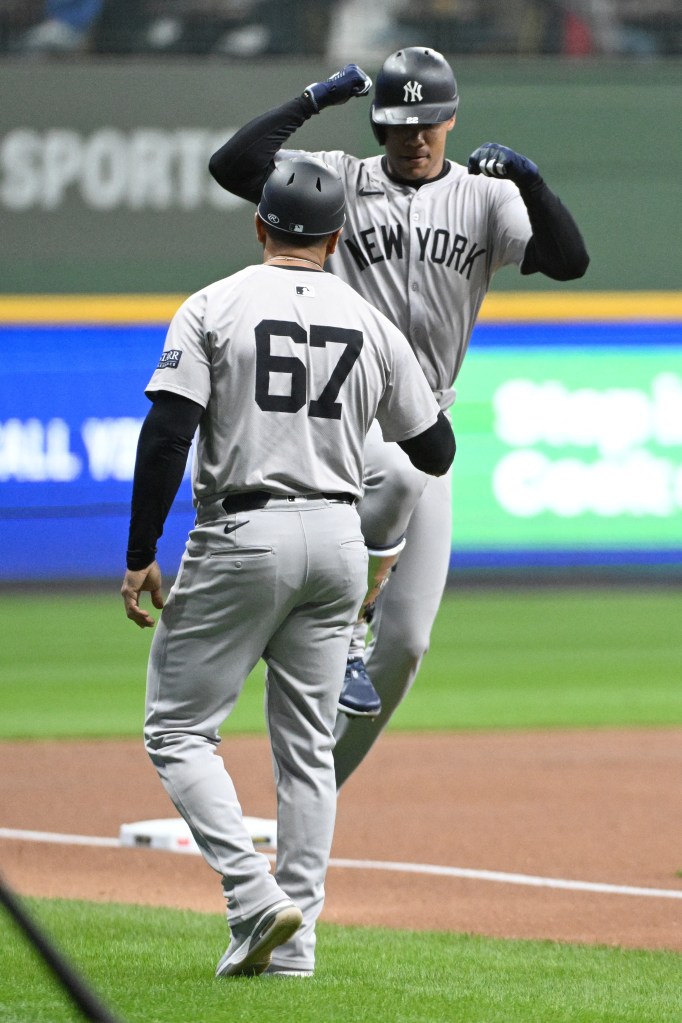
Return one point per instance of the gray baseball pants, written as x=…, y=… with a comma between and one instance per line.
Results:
x=398, y=499
x=285, y=585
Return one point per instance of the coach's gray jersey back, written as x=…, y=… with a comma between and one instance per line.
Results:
x=291, y=366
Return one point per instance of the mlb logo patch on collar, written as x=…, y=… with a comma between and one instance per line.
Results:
x=305, y=290
x=170, y=359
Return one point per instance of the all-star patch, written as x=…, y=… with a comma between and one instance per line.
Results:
x=170, y=359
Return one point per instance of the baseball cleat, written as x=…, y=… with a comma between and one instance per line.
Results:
x=252, y=943
x=359, y=698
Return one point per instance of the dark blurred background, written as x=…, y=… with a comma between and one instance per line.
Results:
x=334, y=28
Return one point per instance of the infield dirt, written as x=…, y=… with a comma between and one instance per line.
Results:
x=598, y=806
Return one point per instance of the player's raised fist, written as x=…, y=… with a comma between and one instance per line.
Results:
x=496, y=161
x=348, y=82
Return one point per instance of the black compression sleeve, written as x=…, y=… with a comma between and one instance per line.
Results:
x=244, y=163
x=433, y=450
x=162, y=449
x=556, y=248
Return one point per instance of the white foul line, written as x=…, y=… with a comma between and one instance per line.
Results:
x=57, y=839
x=504, y=878
x=406, y=868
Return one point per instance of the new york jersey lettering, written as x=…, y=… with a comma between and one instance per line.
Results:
x=436, y=245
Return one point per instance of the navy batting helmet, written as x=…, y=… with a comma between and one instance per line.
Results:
x=303, y=196
x=415, y=86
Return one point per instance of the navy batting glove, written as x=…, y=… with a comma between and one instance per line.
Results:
x=496, y=161
x=349, y=81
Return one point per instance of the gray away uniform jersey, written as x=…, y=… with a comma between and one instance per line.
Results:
x=269, y=349
x=291, y=367
x=426, y=256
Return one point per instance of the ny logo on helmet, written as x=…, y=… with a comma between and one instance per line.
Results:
x=413, y=92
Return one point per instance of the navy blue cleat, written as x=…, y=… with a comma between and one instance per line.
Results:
x=359, y=698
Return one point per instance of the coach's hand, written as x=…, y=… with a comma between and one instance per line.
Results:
x=348, y=82
x=496, y=161
x=134, y=583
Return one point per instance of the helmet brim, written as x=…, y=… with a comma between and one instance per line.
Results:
x=417, y=113
x=320, y=230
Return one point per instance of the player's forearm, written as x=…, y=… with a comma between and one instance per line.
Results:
x=434, y=450
x=556, y=248
x=246, y=160
x=163, y=446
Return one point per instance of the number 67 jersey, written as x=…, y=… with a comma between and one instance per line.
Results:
x=291, y=367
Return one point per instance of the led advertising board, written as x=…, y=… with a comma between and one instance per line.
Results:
x=568, y=422
x=570, y=445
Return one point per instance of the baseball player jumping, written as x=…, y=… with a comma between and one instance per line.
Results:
x=282, y=368
x=424, y=237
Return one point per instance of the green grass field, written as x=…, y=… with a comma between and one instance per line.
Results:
x=155, y=966
x=72, y=665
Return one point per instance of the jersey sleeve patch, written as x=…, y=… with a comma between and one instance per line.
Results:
x=170, y=359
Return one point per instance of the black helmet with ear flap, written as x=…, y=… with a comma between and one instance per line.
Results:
x=415, y=85
x=303, y=196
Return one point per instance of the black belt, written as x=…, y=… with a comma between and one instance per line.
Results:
x=251, y=500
